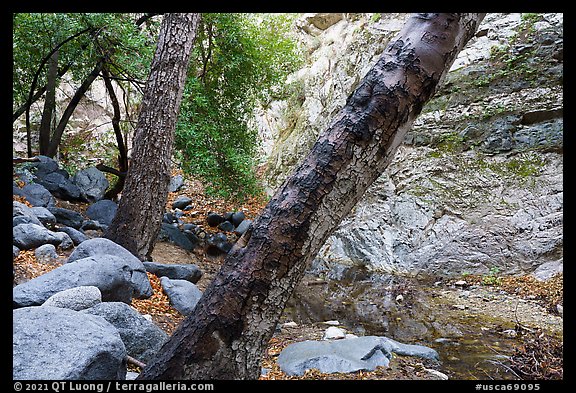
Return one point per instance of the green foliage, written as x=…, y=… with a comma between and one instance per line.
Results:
x=492, y=279
x=239, y=60
x=115, y=36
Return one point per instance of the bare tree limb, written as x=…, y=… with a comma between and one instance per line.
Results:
x=135, y=362
x=19, y=160
x=146, y=16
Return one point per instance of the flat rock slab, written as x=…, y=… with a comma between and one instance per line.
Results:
x=190, y=272
x=346, y=355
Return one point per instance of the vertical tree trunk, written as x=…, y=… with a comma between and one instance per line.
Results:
x=237, y=315
x=32, y=96
x=122, y=149
x=49, y=105
x=80, y=92
x=139, y=215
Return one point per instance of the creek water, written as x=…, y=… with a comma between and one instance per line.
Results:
x=471, y=346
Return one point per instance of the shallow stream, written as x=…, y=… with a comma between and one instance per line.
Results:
x=471, y=344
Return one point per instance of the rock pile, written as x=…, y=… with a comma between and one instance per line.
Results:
x=75, y=321
x=43, y=181
x=230, y=226
x=88, y=185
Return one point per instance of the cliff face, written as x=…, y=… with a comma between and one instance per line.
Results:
x=477, y=186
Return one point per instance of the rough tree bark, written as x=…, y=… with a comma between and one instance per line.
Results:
x=49, y=104
x=237, y=315
x=139, y=215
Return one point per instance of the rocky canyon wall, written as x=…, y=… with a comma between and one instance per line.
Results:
x=477, y=186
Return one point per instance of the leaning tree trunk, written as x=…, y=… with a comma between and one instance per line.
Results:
x=139, y=215
x=236, y=317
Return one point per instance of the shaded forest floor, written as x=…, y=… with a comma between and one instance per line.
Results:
x=538, y=356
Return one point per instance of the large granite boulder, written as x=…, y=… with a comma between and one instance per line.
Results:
x=92, y=184
x=141, y=337
x=183, y=294
x=112, y=275
x=61, y=344
x=100, y=247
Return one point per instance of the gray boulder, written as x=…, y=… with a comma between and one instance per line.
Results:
x=111, y=274
x=75, y=235
x=548, y=270
x=346, y=355
x=93, y=225
x=60, y=344
x=101, y=246
x=22, y=214
x=46, y=253
x=102, y=211
x=226, y=226
x=213, y=219
x=36, y=194
x=59, y=185
x=141, y=337
x=242, y=227
x=189, y=272
x=55, y=180
x=67, y=217
x=92, y=184
x=237, y=218
x=25, y=220
x=77, y=298
x=181, y=202
x=44, y=215
x=183, y=294
x=176, y=183
x=172, y=234
x=65, y=240
x=27, y=236
x=44, y=165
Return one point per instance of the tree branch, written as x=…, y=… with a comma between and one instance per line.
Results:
x=136, y=362
x=19, y=160
x=108, y=169
x=122, y=150
x=18, y=112
x=146, y=16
